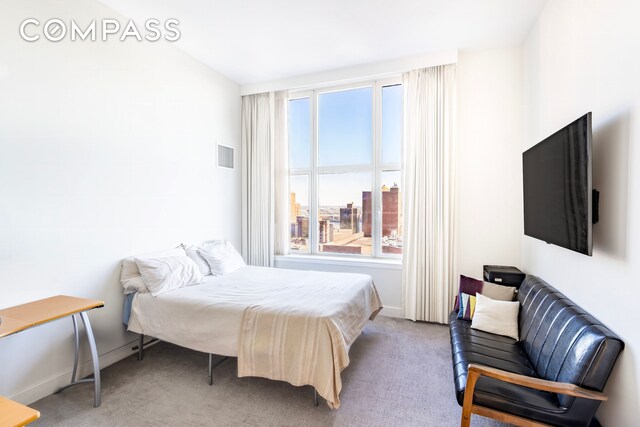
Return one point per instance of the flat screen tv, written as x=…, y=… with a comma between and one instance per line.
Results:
x=557, y=188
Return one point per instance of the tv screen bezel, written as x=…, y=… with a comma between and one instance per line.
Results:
x=547, y=140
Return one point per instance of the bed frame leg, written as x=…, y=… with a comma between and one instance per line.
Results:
x=213, y=366
x=315, y=397
x=210, y=369
x=141, y=347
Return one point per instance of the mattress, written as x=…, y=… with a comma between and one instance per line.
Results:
x=208, y=317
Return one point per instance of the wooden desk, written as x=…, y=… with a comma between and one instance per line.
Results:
x=14, y=414
x=17, y=319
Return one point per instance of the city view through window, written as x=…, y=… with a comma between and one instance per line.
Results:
x=347, y=228
x=344, y=173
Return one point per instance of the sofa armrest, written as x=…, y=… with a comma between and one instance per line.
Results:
x=476, y=371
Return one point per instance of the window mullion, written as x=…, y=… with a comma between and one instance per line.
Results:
x=376, y=231
x=344, y=169
x=313, y=214
x=301, y=171
x=390, y=167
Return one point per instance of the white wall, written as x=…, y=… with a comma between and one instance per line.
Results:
x=583, y=56
x=489, y=200
x=106, y=150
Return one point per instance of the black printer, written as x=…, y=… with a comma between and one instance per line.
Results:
x=503, y=275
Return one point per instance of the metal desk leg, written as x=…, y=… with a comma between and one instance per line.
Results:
x=94, y=358
x=76, y=342
x=77, y=348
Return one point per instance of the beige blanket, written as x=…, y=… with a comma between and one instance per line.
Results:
x=303, y=333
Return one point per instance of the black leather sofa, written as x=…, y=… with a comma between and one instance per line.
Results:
x=561, y=348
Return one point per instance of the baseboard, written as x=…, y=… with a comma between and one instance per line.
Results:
x=48, y=386
x=392, y=312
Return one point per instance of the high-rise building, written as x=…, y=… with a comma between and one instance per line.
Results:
x=391, y=211
x=302, y=226
x=325, y=231
x=367, y=211
x=350, y=218
x=294, y=208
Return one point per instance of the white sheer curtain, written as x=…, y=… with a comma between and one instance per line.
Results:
x=264, y=176
x=281, y=165
x=428, y=273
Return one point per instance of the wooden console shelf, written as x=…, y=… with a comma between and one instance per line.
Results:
x=14, y=414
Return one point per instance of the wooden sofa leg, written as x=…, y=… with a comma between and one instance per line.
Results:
x=467, y=403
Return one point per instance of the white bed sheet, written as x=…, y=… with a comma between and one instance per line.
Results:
x=208, y=317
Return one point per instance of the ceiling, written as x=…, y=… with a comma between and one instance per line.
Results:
x=252, y=41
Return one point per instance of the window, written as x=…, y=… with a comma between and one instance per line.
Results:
x=345, y=152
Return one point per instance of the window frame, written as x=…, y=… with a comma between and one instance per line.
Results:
x=376, y=167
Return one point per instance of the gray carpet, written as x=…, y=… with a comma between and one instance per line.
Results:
x=400, y=375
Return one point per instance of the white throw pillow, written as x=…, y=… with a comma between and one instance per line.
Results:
x=222, y=257
x=192, y=252
x=130, y=275
x=165, y=274
x=497, y=317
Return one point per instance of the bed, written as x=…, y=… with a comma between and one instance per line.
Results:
x=290, y=325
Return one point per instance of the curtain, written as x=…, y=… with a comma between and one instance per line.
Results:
x=264, y=163
x=428, y=272
x=281, y=165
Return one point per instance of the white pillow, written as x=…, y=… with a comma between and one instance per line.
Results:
x=165, y=274
x=222, y=257
x=134, y=284
x=212, y=243
x=497, y=317
x=130, y=275
x=192, y=252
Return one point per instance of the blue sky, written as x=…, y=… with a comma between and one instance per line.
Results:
x=345, y=127
x=392, y=124
x=299, y=133
x=344, y=138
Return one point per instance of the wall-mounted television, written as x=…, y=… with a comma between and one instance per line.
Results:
x=558, y=199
